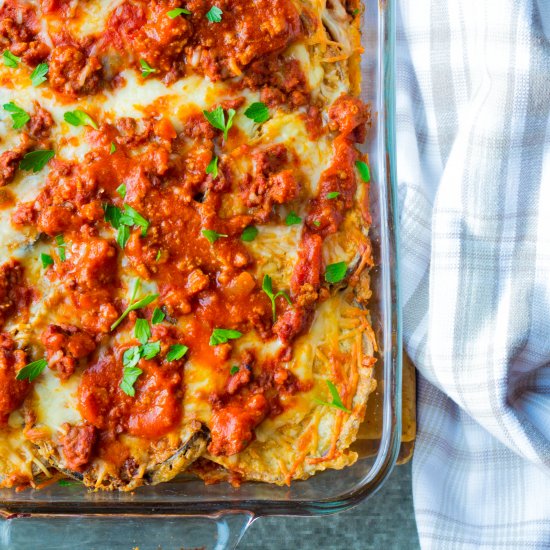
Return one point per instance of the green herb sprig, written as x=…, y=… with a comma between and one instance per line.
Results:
x=267, y=287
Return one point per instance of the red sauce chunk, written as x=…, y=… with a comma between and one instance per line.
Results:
x=153, y=412
x=13, y=391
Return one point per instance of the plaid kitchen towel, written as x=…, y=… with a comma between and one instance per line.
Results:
x=473, y=136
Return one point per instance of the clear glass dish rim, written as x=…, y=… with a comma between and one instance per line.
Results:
x=391, y=425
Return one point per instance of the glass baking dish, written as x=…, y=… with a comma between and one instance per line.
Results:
x=185, y=512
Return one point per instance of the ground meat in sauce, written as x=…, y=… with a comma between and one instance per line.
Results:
x=77, y=445
x=74, y=72
x=65, y=345
x=15, y=297
x=19, y=27
x=13, y=391
x=249, y=29
x=232, y=427
x=153, y=412
x=9, y=160
x=40, y=123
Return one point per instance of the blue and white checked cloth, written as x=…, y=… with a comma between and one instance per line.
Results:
x=473, y=126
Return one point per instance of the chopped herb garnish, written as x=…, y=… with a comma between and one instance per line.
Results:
x=249, y=234
x=150, y=350
x=335, y=272
x=336, y=401
x=234, y=370
x=172, y=14
x=214, y=14
x=212, y=168
x=32, y=370
x=129, y=377
x=19, y=116
x=123, y=236
x=158, y=316
x=79, y=118
x=39, y=74
x=131, y=356
x=133, y=217
x=223, y=335
x=121, y=190
x=60, y=240
x=146, y=69
x=316, y=223
x=177, y=351
x=216, y=118
x=112, y=215
x=211, y=235
x=36, y=160
x=293, y=219
x=258, y=112
x=10, y=60
x=333, y=195
x=364, y=171
x=159, y=255
x=267, y=287
x=47, y=260
x=112, y=149
x=142, y=331
x=135, y=305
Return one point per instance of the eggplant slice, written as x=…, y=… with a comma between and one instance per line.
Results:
x=154, y=463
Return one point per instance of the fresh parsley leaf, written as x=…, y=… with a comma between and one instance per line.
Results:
x=123, y=236
x=121, y=190
x=293, y=219
x=316, y=223
x=133, y=217
x=129, y=378
x=60, y=240
x=150, y=350
x=36, y=160
x=112, y=215
x=212, y=168
x=135, y=289
x=336, y=272
x=131, y=357
x=214, y=14
x=135, y=305
x=211, y=235
x=177, y=351
x=32, y=370
x=336, y=401
x=79, y=118
x=258, y=112
x=146, y=69
x=216, y=118
x=363, y=170
x=234, y=370
x=223, y=335
x=39, y=74
x=19, y=116
x=267, y=287
x=172, y=14
x=10, y=60
x=249, y=234
x=142, y=331
x=158, y=316
x=47, y=260
x=112, y=149
x=333, y=195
